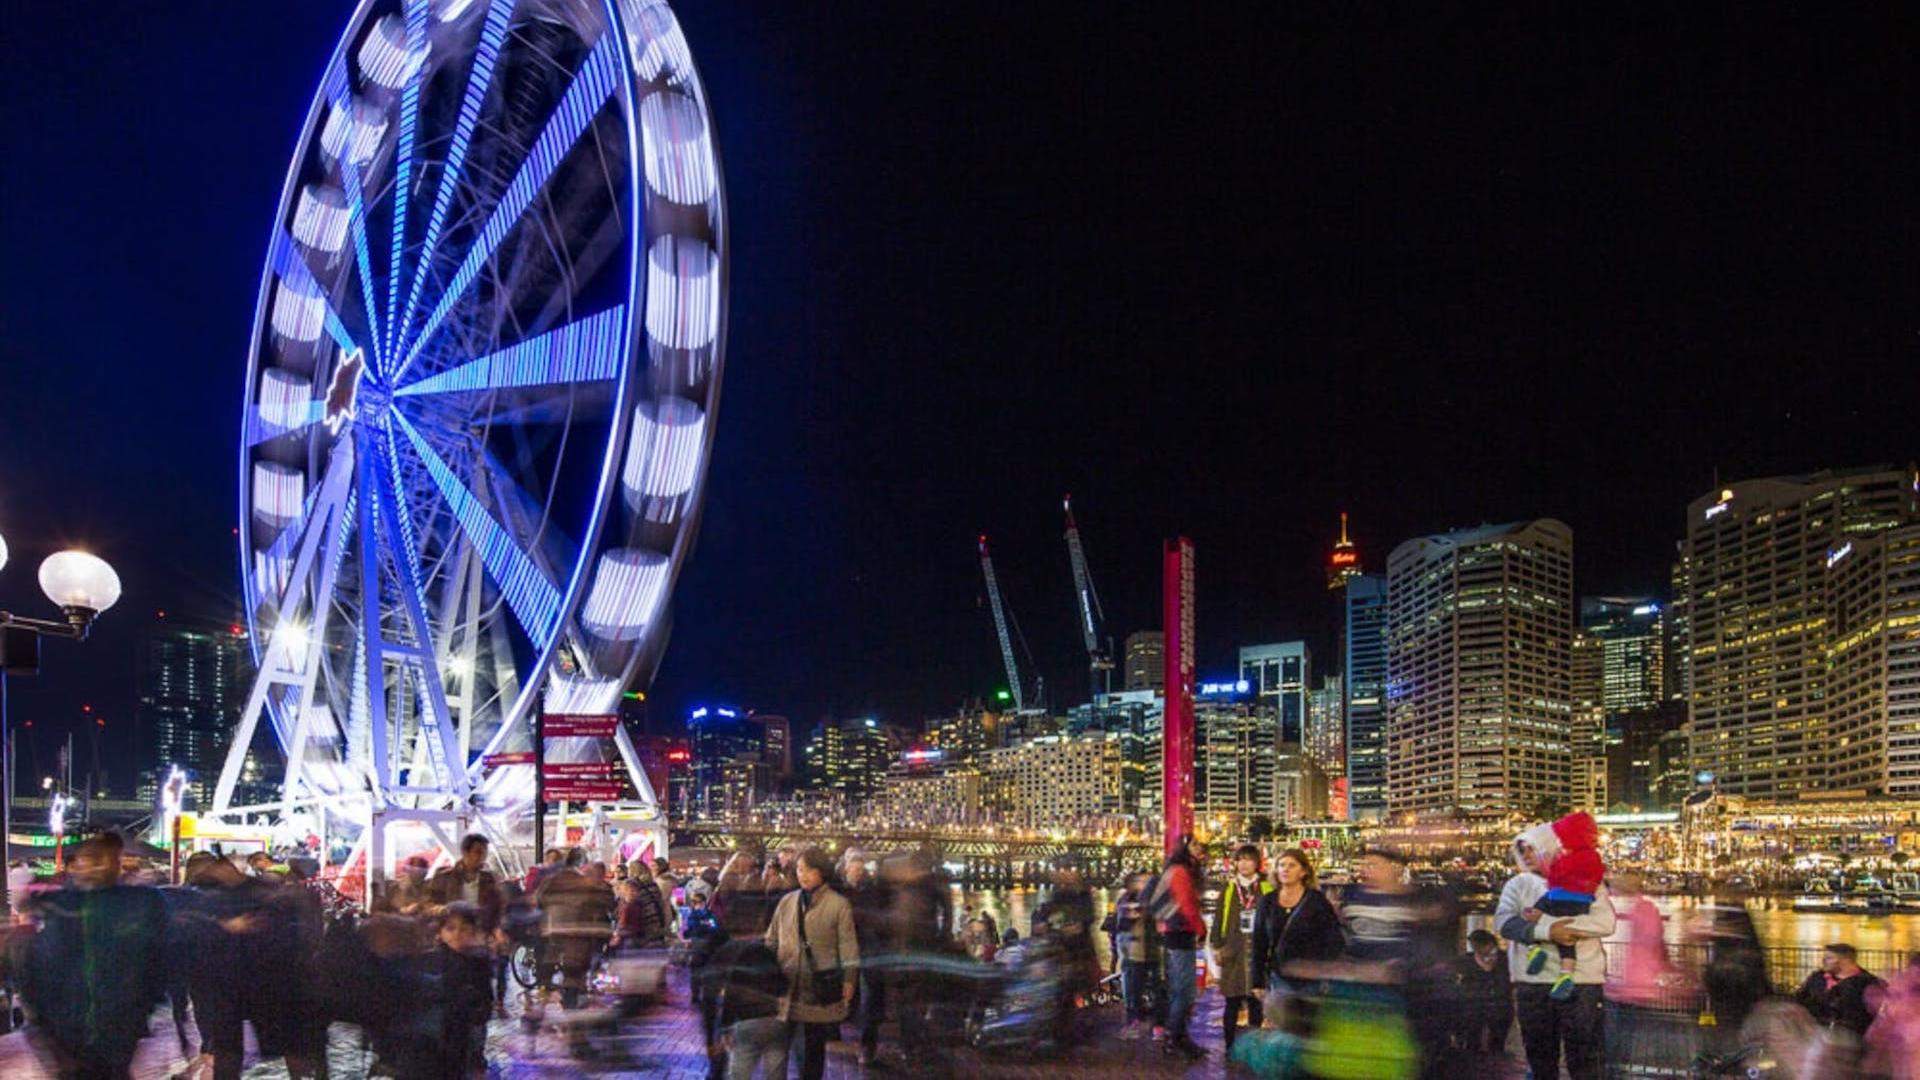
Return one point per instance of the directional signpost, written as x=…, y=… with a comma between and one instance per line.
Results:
x=568, y=781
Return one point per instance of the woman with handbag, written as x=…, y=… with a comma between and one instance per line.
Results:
x=812, y=934
x=1295, y=922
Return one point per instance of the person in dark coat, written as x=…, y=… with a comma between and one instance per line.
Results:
x=1295, y=923
x=1485, y=995
x=869, y=899
x=96, y=967
x=1836, y=995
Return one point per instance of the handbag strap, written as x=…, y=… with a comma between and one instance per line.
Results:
x=800, y=925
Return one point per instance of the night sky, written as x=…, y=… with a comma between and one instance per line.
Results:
x=1223, y=271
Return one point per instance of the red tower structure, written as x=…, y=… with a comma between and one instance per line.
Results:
x=1176, y=760
x=1343, y=565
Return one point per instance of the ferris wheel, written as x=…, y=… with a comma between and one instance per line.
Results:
x=479, y=406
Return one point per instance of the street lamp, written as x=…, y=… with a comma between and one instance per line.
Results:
x=82, y=586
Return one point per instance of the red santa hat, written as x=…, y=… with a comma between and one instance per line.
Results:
x=1576, y=831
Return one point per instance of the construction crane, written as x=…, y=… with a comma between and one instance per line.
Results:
x=1099, y=651
x=1000, y=626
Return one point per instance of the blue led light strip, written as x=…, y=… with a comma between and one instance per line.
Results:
x=403, y=164
x=493, y=35
x=535, y=600
x=290, y=266
x=585, y=351
x=356, y=214
x=592, y=86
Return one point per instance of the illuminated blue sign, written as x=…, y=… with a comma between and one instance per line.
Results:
x=1225, y=689
x=698, y=713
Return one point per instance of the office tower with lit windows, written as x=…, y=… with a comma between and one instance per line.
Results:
x=1767, y=717
x=849, y=758
x=1146, y=660
x=1234, y=750
x=1873, y=663
x=1365, y=637
x=192, y=675
x=1480, y=635
x=728, y=772
x=1278, y=676
x=1679, y=658
x=1587, y=723
x=1055, y=779
x=1632, y=635
x=1326, y=741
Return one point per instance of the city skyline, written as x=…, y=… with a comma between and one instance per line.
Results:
x=1423, y=359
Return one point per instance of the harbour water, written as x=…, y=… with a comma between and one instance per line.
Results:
x=1778, y=924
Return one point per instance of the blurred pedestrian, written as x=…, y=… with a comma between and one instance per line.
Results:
x=753, y=1038
x=1646, y=984
x=1137, y=944
x=780, y=875
x=1231, y=940
x=94, y=969
x=577, y=907
x=1892, y=1045
x=1484, y=991
x=812, y=935
x=869, y=901
x=1176, y=911
x=642, y=918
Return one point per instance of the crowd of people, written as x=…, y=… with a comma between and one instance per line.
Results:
x=791, y=950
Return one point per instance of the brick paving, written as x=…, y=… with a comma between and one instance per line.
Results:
x=666, y=1042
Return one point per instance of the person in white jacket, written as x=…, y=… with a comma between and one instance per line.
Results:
x=1577, y=1025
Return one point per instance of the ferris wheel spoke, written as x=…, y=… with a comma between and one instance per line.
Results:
x=592, y=86
x=403, y=164
x=357, y=218
x=531, y=596
x=493, y=36
x=589, y=350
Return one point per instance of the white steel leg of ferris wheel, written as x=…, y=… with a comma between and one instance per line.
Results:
x=452, y=775
x=325, y=531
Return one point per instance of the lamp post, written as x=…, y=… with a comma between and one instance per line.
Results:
x=82, y=586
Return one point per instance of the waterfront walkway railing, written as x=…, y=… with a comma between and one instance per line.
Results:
x=1787, y=967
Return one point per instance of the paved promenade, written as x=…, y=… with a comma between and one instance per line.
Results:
x=666, y=1043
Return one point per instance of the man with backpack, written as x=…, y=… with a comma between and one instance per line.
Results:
x=1177, y=915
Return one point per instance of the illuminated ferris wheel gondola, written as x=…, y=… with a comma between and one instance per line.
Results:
x=486, y=359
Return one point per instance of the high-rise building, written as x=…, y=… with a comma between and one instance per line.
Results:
x=776, y=745
x=1056, y=778
x=1873, y=663
x=1326, y=741
x=849, y=758
x=192, y=675
x=1760, y=558
x=1146, y=660
x=1480, y=632
x=1366, y=697
x=1679, y=662
x=1635, y=761
x=1278, y=675
x=1632, y=634
x=1587, y=723
x=966, y=734
x=1233, y=757
x=729, y=772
